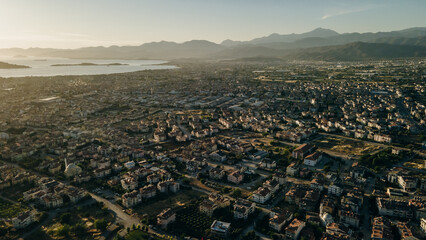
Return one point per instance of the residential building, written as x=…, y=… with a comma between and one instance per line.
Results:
x=278, y=220
x=166, y=217
x=302, y=151
x=220, y=229
x=243, y=208
x=293, y=230
x=235, y=177
x=313, y=159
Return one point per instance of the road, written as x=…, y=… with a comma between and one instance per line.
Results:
x=121, y=217
x=183, y=129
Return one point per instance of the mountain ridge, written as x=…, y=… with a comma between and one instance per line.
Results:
x=272, y=46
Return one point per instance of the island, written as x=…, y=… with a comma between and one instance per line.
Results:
x=88, y=64
x=4, y=65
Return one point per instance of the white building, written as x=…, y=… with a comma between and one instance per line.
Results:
x=335, y=190
x=313, y=159
x=24, y=219
x=262, y=195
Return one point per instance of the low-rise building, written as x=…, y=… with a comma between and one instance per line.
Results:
x=293, y=230
x=235, y=177
x=407, y=183
x=216, y=173
x=302, y=151
x=405, y=231
x=243, y=208
x=313, y=159
x=129, y=183
x=24, y=219
x=394, y=208
x=335, y=189
x=262, y=195
x=278, y=220
x=207, y=207
x=348, y=217
x=131, y=199
x=292, y=169
x=381, y=229
x=220, y=229
x=423, y=224
x=166, y=217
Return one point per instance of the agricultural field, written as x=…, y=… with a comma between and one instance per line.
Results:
x=10, y=210
x=190, y=221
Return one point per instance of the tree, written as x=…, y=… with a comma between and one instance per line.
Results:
x=63, y=230
x=226, y=190
x=186, y=181
x=79, y=229
x=251, y=236
x=65, y=218
x=101, y=224
x=236, y=193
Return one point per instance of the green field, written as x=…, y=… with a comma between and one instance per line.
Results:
x=139, y=235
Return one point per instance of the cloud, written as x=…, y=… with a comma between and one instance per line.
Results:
x=341, y=12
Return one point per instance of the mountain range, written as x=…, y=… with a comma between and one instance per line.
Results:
x=318, y=44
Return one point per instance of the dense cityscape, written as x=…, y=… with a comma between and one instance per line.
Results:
x=217, y=150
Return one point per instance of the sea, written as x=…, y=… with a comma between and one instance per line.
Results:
x=40, y=66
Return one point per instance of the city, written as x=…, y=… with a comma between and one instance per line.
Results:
x=212, y=150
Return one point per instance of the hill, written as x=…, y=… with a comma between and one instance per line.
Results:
x=358, y=51
x=320, y=43
x=4, y=65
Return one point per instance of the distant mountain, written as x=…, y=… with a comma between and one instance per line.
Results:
x=278, y=38
x=357, y=51
x=346, y=52
x=155, y=50
x=416, y=41
x=319, y=43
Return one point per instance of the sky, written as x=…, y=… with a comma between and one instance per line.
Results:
x=81, y=23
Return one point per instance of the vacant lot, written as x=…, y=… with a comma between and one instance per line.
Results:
x=155, y=206
x=345, y=146
x=416, y=163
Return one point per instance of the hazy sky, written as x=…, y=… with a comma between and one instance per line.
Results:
x=77, y=23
